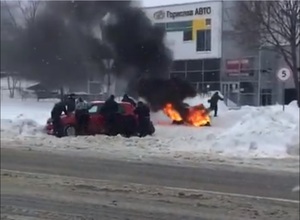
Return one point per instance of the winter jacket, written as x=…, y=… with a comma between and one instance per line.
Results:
x=129, y=100
x=82, y=105
x=58, y=109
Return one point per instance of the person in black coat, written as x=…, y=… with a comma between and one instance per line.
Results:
x=214, y=103
x=143, y=113
x=126, y=98
x=70, y=103
x=82, y=116
x=56, y=112
x=109, y=111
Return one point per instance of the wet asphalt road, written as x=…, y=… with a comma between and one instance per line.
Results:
x=228, y=180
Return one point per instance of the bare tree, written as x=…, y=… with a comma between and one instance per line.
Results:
x=9, y=30
x=273, y=23
x=12, y=82
x=29, y=10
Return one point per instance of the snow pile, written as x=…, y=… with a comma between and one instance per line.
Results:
x=26, y=127
x=24, y=118
x=264, y=131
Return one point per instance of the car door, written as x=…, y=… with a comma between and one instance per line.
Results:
x=96, y=124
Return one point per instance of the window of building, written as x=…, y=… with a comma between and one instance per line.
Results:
x=211, y=76
x=203, y=40
x=194, y=65
x=179, y=26
x=247, y=87
x=178, y=66
x=211, y=64
x=194, y=76
x=161, y=25
x=180, y=75
x=213, y=86
x=188, y=35
x=208, y=40
x=208, y=22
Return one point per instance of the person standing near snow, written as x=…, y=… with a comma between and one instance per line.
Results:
x=143, y=113
x=214, y=103
x=71, y=103
x=109, y=111
x=56, y=112
x=126, y=98
x=82, y=116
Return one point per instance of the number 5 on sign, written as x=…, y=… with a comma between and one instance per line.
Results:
x=283, y=74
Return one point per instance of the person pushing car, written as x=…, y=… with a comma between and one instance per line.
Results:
x=56, y=112
x=143, y=113
x=109, y=111
x=126, y=98
x=82, y=116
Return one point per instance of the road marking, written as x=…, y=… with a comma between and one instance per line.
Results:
x=162, y=187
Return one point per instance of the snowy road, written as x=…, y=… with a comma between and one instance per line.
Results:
x=40, y=185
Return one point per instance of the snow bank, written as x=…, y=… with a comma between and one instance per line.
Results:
x=251, y=132
x=24, y=118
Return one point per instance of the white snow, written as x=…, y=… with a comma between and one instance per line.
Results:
x=248, y=133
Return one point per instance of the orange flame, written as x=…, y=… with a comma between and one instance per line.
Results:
x=197, y=115
x=170, y=111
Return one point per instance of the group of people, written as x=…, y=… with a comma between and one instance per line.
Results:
x=67, y=106
x=110, y=111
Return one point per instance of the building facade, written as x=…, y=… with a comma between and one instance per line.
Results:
x=205, y=50
x=193, y=33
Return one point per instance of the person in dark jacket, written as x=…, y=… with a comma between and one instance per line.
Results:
x=126, y=98
x=56, y=112
x=143, y=113
x=82, y=116
x=214, y=103
x=109, y=111
x=71, y=103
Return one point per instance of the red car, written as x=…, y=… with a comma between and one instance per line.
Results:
x=96, y=123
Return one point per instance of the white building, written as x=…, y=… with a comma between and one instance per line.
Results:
x=193, y=30
x=194, y=34
x=202, y=37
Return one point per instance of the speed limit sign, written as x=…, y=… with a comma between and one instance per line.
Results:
x=283, y=74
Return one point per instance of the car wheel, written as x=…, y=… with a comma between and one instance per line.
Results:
x=70, y=130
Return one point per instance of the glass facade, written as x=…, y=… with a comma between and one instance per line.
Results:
x=203, y=74
x=202, y=36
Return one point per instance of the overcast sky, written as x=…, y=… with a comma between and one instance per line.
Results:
x=150, y=3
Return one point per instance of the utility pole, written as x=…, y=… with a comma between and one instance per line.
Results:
x=108, y=64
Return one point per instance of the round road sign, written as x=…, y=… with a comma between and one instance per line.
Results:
x=284, y=74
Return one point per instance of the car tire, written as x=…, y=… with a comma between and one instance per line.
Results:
x=70, y=131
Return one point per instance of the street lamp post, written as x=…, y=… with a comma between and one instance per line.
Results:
x=259, y=75
x=108, y=64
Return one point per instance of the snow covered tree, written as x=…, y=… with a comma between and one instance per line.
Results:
x=273, y=23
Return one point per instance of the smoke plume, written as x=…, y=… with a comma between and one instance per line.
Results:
x=67, y=40
x=159, y=92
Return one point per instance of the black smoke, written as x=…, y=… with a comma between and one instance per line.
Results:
x=60, y=45
x=138, y=45
x=158, y=92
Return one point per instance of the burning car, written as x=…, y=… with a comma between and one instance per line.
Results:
x=191, y=115
x=97, y=121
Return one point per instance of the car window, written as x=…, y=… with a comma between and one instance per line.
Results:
x=93, y=109
x=121, y=109
x=100, y=105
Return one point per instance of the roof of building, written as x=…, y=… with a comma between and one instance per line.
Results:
x=176, y=3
